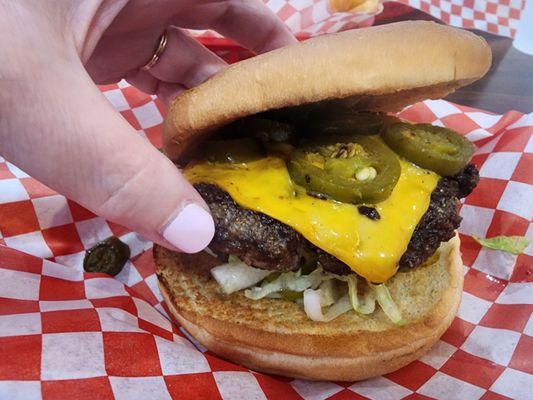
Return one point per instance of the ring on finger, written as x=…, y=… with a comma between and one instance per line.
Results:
x=161, y=46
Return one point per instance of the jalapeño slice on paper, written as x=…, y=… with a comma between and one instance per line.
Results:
x=234, y=150
x=352, y=169
x=109, y=256
x=431, y=147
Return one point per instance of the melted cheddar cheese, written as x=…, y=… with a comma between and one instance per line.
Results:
x=370, y=248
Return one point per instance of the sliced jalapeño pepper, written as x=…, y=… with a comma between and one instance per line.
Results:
x=344, y=122
x=264, y=129
x=351, y=169
x=280, y=149
x=234, y=150
x=431, y=147
x=108, y=256
x=268, y=130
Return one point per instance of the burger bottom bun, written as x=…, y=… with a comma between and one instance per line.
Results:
x=275, y=336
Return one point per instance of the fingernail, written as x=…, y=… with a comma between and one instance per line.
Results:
x=191, y=230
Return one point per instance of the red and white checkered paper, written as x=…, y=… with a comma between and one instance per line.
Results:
x=500, y=17
x=67, y=334
x=314, y=17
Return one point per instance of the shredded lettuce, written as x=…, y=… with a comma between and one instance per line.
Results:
x=328, y=292
x=237, y=275
x=340, y=307
x=294, y=281
x=511, y=244
x=367, y=304
x=232, y=258
x=274, y=296
x=325, y=295
x=387, y=304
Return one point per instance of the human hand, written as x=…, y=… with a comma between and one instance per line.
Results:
x=56, y=125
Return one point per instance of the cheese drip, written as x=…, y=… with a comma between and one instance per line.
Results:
x=370, y=248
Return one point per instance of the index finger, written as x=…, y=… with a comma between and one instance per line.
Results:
x=250, y=23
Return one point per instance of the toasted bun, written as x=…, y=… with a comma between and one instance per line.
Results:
x=275, y=336
x=381, y=68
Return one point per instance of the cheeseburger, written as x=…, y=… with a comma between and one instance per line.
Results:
x=335, y=254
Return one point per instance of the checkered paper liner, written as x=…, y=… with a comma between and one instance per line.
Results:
x=500, y=17
x=65, y=333
x=313, y=17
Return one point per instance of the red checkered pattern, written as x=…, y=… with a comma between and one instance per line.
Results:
x=313, y=17
x=68, y=334
x=500, y=17
x=310, y=17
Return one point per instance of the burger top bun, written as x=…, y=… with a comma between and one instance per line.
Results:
x=382, y=68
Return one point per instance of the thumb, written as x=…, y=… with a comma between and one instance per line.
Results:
x=150, y=196
x=64, y=132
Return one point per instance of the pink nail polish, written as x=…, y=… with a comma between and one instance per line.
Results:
x=191, y=230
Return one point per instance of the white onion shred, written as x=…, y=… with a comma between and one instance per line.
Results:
x=313, y=306
x=237, y=275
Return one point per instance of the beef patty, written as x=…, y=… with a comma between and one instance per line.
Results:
x=264, y=242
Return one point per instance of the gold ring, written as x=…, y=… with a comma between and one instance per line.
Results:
x=158, y=52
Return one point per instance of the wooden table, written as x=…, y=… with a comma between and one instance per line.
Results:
x=507, y=86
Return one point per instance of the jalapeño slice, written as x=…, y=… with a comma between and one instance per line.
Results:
x=431, y=147
x=351, y=169
x=264, y=129
x=344, y=122
x=268, y=130
x=234, y=150
x=108, y=256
